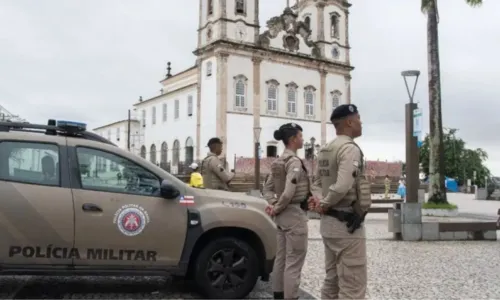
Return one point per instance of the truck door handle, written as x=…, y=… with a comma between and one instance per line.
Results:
x=91, y=207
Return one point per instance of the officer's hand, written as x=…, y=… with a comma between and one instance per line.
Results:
x=319, y=209
x=270, y=210
x=312, y=203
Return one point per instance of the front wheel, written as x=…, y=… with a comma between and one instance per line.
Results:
x=226, y=268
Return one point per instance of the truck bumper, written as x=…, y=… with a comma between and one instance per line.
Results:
x=268, y=268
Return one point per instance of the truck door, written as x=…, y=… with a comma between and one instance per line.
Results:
x=120, y=218
x=36, y=204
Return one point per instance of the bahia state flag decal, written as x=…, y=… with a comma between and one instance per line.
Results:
x=186, y=200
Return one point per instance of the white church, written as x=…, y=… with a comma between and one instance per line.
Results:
x=246, y=82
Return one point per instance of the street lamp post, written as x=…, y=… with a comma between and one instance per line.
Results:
x=412, y=161
x=256, y=136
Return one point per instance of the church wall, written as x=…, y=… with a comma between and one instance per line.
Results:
x=333, y=43
x=172, y=129
x=208, y=104
x=233, y=32
x=277, y=43
x=236, y=66
x=239, y=137
x=286, y=74
x=334, y=82
x=312, y=12
x=328, y=10
x=249, y=12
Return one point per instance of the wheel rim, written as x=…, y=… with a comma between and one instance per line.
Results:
x=227, y=270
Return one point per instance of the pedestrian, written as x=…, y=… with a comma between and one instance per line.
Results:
x=402, y=189
x=287, y=190
x=213, y=172
x=341, y=194
x=387, y=183
x=195, y=180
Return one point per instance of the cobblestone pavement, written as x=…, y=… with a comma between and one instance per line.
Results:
x=35, y=287
x=397, y=270
x=416, y=270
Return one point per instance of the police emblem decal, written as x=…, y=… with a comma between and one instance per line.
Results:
x=131, y=219
x=351, y=109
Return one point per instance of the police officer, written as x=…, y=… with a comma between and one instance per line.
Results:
x=342, y=195
x=285, y=189
x=212, y=169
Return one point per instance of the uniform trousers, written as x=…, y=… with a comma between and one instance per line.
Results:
x=345, y=260
x=291, y=251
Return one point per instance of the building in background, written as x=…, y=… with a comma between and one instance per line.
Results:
x=295, y=70
x=117, y=133
x=6, y=116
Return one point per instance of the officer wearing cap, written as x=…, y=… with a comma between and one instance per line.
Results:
x=212, y=169
x=342, y=196
x=287, y=190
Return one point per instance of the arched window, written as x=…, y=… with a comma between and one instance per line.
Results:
x=240, y=89
x=153, y=115
x=272, y=96
x=239, y=7
x=334, y=25
x=309, y=100
x=336, y=95
x=164, y=155
x=189, y=151
x=152, y=154
x=209, y=68
x=291, y=98
x=143, y=151
x=210, y=10
x=176, y=153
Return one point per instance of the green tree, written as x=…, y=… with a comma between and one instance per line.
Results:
x=437, y=189
x=459, y=161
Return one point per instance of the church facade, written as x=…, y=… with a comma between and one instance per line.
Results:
x=248, y=81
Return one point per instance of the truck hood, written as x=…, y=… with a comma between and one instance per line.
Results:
x=217, y=195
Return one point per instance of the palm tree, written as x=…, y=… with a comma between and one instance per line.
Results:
x=437, y=189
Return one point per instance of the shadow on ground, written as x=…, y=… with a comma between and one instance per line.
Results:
x=110, y=288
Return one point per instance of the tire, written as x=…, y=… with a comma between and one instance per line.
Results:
x=211, y=257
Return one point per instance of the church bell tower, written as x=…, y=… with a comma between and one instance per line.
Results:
x=231, y=20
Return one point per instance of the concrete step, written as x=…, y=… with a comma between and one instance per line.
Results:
x=379, y=209
x=386, y=201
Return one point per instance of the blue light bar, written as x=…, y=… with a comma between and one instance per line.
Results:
x=72, y=125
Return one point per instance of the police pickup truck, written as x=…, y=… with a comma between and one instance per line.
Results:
x=73, y=203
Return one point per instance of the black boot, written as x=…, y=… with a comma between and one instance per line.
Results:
x=279, y=295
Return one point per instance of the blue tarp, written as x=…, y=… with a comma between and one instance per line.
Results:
x=450, y=183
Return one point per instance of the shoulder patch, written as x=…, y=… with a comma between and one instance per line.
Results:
x=296, y=169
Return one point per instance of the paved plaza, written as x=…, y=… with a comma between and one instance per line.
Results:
x=397, y=269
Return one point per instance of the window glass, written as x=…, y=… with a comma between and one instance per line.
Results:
x=104, y=171
x=30, y=162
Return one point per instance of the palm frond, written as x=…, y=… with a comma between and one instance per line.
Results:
x=474, y=3
x=425, y=5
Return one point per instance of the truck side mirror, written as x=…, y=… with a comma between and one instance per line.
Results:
x=169, y=191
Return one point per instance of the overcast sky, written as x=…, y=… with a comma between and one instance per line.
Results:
x=90, y=60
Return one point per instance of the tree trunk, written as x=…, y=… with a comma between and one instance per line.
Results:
x=437, y=189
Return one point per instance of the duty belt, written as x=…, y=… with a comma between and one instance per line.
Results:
x=342, y=216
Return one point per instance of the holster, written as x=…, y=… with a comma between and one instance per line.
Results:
x=355, y=222
x=342, y=216
x=305, y=203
